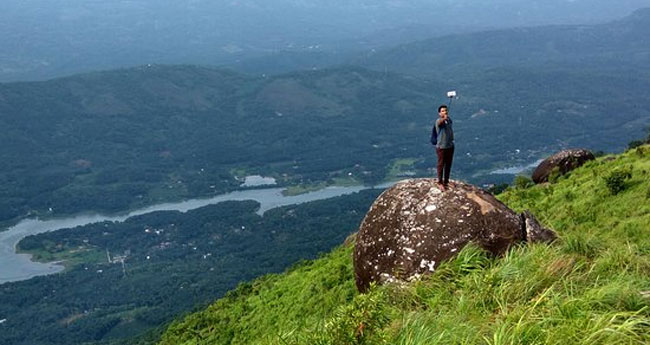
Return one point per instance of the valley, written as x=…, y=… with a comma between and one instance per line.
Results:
x=172, y=193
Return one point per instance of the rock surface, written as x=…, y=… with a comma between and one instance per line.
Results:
x=413, y=226
x=564, y=161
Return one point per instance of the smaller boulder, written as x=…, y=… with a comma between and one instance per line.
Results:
x=562, y=162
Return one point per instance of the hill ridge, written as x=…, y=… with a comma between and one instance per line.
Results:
x=617, y=42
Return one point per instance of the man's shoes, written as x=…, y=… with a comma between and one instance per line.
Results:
x=441, y=186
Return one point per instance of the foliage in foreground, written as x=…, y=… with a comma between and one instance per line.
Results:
x=590, y=287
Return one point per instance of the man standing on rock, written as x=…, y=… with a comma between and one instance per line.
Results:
x=444, y=146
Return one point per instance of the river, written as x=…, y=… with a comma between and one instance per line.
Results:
x=16, y=267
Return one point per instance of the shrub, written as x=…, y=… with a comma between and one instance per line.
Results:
x=523, y=182
x=359, y=322
x=615, y=181
x=634, y=144
x=568, y=195
x=640, y=151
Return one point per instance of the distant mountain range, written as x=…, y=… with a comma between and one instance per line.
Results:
x=622, y=42
x=613, y=45
x=44, y=39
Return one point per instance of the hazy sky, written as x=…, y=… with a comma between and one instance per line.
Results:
x=45, y=38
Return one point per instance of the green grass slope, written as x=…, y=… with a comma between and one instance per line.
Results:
x=592, y=286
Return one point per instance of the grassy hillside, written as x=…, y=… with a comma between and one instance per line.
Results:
x=590, y=287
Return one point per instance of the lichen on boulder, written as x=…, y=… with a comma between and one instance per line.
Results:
x=414, y=226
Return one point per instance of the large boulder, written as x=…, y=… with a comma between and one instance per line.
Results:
x=414, y=226
x=561, y=162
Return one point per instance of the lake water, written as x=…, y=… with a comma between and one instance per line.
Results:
x=516, y=169
x=15, y=267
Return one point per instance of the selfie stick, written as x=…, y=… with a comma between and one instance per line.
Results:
x=450, y=95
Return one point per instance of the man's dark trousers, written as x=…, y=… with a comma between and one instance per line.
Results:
x=445, y=157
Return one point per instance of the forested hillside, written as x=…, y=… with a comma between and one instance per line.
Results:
x=115, y=140
x=589, y=287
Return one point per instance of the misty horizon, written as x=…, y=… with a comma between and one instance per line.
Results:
x=44, y=39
